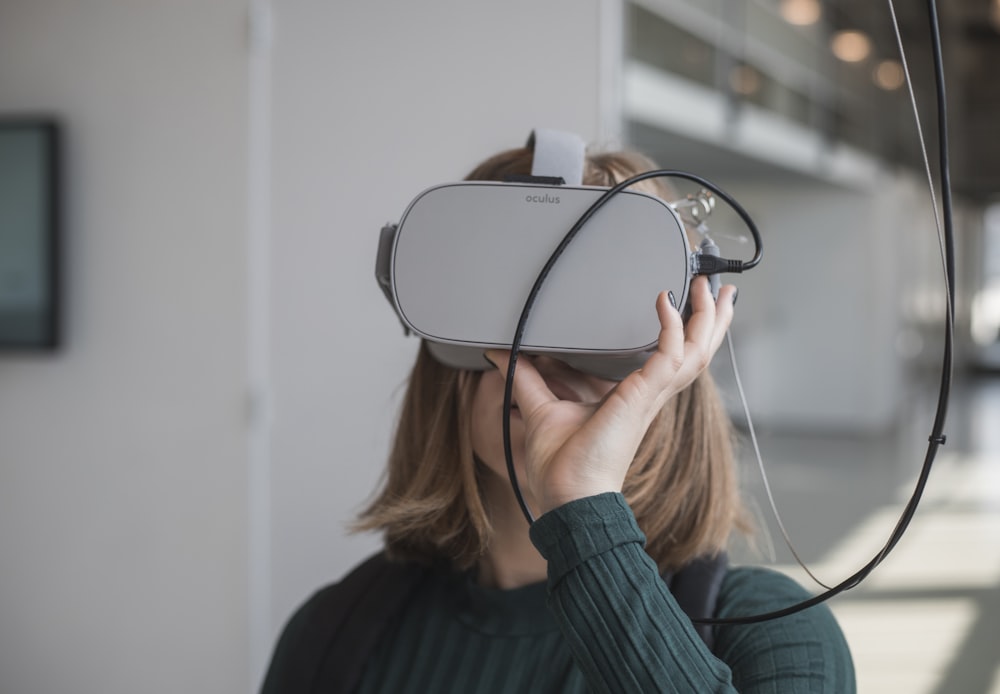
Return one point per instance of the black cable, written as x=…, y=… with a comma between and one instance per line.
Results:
x=937, y=436
x=515, y=348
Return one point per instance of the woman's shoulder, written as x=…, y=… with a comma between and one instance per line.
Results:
x=339, y=623
x=377, y=578
x=802, y=651
x=758, y=584
x=752, y=590
x=368, y=593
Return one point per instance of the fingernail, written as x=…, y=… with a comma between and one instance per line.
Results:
x=672, y=300
x=736, y=295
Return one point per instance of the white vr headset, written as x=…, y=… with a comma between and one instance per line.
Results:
x=464, y=256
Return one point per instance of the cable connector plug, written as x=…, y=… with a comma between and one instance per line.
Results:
x=704, y=264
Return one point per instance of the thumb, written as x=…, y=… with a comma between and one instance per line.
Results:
x=530, y=390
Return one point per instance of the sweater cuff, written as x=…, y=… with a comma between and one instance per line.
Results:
x=576, y=532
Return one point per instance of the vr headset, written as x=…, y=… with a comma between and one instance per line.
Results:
x=464, y=256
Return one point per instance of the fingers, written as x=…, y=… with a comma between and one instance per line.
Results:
x=710, y=318
x=684, y=351
x=671, y=339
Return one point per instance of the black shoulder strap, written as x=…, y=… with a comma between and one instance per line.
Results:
x=696, y=589
x=326, y=644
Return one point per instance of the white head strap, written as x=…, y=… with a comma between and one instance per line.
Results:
x=558, y=154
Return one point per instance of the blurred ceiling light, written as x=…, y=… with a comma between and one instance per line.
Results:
x=744, y=80
x=889, y=75
x=995, y=14
x=851, y=46
x=801, y=12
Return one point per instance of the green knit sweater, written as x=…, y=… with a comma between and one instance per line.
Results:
x=605, y=622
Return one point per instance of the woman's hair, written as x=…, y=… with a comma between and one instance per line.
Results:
x=682, y=485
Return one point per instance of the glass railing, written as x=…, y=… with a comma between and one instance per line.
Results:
x=753, y=57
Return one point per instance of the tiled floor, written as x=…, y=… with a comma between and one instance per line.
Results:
x=927, y=621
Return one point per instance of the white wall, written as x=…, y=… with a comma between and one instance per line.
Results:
x=372, y=103
x=122, y=458
x=820, y=332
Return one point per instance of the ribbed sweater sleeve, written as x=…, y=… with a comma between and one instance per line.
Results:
x=628, y=634
x=625, y=630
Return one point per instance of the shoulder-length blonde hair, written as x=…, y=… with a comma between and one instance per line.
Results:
x=682, y=485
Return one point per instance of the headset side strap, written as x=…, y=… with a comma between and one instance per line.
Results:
x=383, y=260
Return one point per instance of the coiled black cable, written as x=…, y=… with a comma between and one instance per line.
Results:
x=937, y=437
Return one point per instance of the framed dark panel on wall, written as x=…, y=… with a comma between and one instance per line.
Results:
x=29, y=233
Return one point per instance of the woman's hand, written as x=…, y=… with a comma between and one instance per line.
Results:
x=574, y=449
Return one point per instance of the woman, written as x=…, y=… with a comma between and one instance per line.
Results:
x=631, y=482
